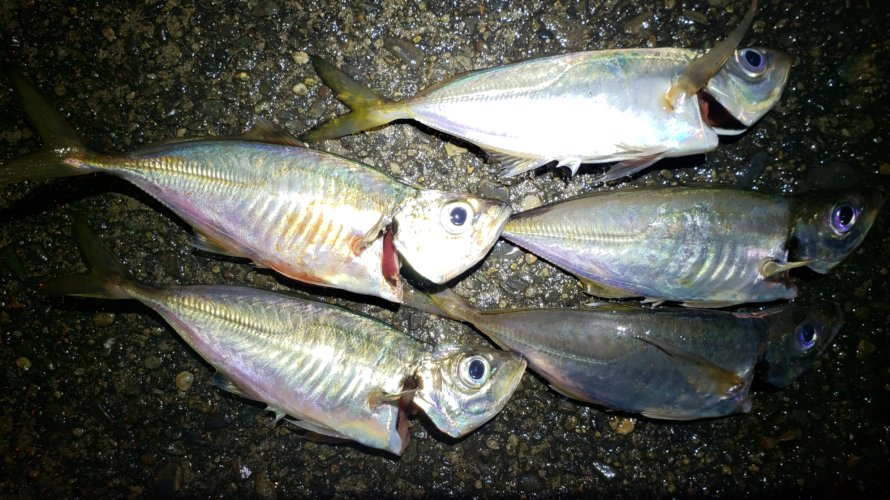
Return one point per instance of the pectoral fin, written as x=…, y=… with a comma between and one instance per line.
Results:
x=629, y=167
x=712, y=304
x=514, y=165
x=699, y=71
x=771, y=267
x=727, y=380
x=359, y=245
x=225, y=383
x=203, y=242
x=379, y=396
x=599, y=290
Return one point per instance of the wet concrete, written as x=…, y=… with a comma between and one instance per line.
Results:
x=102, y=399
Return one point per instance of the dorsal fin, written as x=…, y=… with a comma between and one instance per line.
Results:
x=264, y=130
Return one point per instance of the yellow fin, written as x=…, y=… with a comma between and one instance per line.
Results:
x=369, y=110
x=770, y=267
x=205, y=243
x=699, y=71
x=358, y=245
x=379, y=396
x=599, y=290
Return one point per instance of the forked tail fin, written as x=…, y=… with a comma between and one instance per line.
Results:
x=369, y=110
x=107, y=278
x=445, y=303
x=60, y=140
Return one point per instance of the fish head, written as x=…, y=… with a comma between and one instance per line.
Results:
x=797, y=337
x=441, y=234
x=750, y=83
x=462, y=387
x=829, y=225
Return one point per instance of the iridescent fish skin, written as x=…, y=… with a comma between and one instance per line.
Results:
x=312, y=216
x=583, y=107
x=709, y=247
x=676, y=364
x=342, y=374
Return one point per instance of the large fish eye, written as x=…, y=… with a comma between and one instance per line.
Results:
x=752, y=61
x=456, y=217
x=807, y=335
x=844, y=217
x=474, y=371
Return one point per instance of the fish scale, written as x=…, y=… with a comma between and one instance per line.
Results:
x=269, y=344
x=295, y=227
x=679, y=244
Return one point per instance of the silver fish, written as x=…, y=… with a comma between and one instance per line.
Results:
x=312, y=216
x=706, y=247
x=342, y=374
x=635, y=106
x=675, y=364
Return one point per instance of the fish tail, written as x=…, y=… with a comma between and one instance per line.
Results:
x=107, y=278
x=456, y=306
x=369, y=110
x=445, y=303
x=61, y=142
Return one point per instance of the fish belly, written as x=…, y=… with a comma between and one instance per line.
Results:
x=316, y=362
x=598, y=356
x=592, y=106
x=300, y=212
x=685, y=244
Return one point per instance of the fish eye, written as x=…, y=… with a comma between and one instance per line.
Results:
x=844, y=217
x=475, y=370
x=752, y=61
x=807, y=335
x=455, y=215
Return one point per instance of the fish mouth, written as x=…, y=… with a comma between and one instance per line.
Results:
x=716, y=116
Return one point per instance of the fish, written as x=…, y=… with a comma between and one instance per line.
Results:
x=701, y=246
x=335, y=373
x=312, y=216
x=665, y=363
x=633, y=106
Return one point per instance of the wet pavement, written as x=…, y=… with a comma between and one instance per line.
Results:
x=103, y=399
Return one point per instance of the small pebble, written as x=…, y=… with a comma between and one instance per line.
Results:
x=108, y=33
x=301, y=57
x=103, y=319
x=184, y=380
x=153, y=362
x=78, y=432
x=60, y=90
x=452, y=150
x=622, y=426
x=530, y=201
x=865, y=348
x=530, y=258
x=492, y=444
x=571, y=423
x=23, y=363
x=300, y=89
